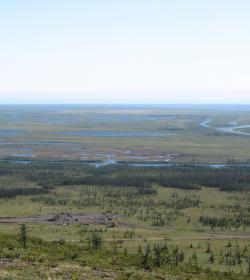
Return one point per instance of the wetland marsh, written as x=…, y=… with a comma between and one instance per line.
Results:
x=126, y=133
x=152, y=190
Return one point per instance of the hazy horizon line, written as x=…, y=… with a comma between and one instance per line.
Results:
x=130, y=104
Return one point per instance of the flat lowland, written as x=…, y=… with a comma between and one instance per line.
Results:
x=68, y=210
x=125, y=133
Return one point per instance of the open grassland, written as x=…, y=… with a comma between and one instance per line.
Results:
x=123, y=133
x=191, y=224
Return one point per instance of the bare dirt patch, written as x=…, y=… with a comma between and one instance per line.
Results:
x=70, y=219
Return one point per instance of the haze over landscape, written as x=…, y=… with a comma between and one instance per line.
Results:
x=124, y=140
x=124, y=51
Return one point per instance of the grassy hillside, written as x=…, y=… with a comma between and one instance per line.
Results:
x=151, y=222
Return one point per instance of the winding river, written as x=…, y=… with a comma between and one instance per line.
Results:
x=233, y=129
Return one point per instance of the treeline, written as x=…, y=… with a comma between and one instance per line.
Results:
x=183, y=177
x=102, y=180
x=214, y=222
x=13, y=192
x=223, y=222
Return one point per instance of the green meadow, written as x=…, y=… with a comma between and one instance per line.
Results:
x=63, y=218
x=198, y=229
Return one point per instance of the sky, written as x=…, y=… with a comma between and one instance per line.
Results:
x=133, y=51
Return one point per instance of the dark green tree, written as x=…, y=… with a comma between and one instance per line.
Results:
x=145, y=258
x=96, y=241
x=23, y=236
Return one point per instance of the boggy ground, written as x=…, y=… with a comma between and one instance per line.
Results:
x=159, y=133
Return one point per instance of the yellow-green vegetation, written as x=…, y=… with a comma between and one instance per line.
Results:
x=151, y=229
x=132, y=133
x=25, y=257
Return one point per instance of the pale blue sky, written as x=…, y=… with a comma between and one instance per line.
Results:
x=133, y=51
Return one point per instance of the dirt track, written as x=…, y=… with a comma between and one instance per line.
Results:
x=110, y=221
x=69, y=219
x=221, y=237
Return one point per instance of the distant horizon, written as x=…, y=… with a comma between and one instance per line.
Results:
x=170, y=96
x=127, y=104
x=124, y=51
